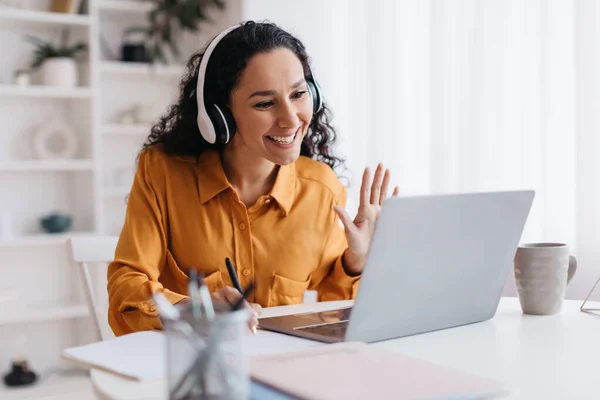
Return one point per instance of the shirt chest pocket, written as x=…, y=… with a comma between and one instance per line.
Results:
x=286, y=291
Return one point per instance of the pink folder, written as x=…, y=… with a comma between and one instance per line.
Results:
x=359, y=371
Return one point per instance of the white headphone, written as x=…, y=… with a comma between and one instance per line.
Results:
x=205, y=123
x=216, y=124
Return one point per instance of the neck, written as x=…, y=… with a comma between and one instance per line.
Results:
x=250, y=177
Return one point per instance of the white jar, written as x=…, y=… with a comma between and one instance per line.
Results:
x=59, y=71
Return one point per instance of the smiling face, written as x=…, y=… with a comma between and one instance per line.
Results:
x=272, y=107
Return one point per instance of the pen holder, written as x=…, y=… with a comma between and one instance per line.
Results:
x=207, y=359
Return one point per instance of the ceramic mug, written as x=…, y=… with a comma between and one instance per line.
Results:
x=542, y=273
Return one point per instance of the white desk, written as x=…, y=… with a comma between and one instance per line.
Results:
x=544, y=357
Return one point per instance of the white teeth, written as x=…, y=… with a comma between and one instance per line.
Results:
x=283, y=139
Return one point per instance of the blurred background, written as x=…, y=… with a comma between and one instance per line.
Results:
x=452, y=95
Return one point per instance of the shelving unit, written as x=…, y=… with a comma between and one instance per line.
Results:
x=42, y=314
x=46, y=165
x=45, y=92
x=24, y=18
x=116, y=191
x=124, y=6
x=41, y=239
x=132, y=69
x=126, y=129
x=55, y=387
x=93, y=186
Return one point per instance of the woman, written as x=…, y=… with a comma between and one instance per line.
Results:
x=255, y=183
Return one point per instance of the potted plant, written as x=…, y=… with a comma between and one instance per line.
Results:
x=56, y=64
x=167, y=19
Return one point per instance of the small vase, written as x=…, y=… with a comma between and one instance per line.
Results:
x=59, y=71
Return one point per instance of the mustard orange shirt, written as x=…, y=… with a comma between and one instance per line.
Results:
x=183, y=213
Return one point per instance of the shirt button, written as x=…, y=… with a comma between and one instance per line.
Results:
x=246, y=272
x=242, y=226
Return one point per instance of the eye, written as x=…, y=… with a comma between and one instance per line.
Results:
x=264, y=105
x=299, y=94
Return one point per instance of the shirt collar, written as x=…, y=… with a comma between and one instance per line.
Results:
x=212, y=181
x=284, y=189
x=211, y=178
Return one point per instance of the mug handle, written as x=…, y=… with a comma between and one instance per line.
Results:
x=572, y=268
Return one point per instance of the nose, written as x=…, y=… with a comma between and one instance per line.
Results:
x=287, y=116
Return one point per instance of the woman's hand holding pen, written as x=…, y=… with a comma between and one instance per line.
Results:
x=360, y=230
x=232, y=296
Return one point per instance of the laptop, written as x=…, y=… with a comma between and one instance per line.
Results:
x=435, y=262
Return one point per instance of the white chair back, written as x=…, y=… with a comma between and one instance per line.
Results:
x=86, y=251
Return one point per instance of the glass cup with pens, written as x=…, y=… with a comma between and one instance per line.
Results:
x=206, y=355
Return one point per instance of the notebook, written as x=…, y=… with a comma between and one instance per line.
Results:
x=130, y=357
x=355, y=370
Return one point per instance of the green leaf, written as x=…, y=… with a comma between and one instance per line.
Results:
x=168, y=16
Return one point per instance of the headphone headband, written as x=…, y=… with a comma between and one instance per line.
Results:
x=204, y=123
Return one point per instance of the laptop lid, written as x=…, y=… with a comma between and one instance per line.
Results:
x=437, y=262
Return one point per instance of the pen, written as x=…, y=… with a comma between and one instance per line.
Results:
x=245, y=295
x=233, y=275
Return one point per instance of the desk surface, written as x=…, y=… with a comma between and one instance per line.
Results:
x=543, y=357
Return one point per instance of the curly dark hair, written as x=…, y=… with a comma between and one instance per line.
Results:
x=177, y=129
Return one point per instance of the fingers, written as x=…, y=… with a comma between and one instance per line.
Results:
x=376, y=185
x=253, y=323
x=256, y=307
x=344, y=217
x=364, y=187
x=230, y=294
x=384, y=186
x=396, y=191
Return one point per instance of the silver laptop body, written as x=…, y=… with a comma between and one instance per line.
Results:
x=435, y=262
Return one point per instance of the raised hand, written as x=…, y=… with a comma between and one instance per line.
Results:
x=360, y=230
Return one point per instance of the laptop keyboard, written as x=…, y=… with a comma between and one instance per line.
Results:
x=329, y=330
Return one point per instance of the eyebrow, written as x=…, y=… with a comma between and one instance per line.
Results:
x=272, y=92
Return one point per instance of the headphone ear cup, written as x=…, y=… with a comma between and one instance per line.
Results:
x=315, y=94
x=223, y=122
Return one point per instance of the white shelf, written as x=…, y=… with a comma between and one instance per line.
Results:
x=40, y=314
x=45, y=92
x=125, y=6
x=117, y=191
x=54, y=387
x=46, y=165
x=32, y=18
x=41, y=239
x=126, y=129
x=141, y=69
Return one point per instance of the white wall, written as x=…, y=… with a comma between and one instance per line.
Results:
x=588, y=128
x=371, y=67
